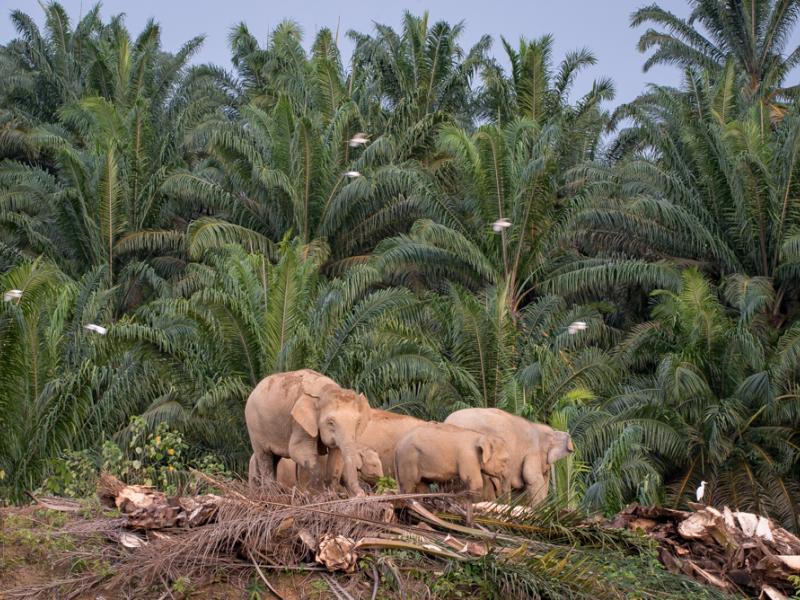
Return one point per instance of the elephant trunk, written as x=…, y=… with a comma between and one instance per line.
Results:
x=350, y=472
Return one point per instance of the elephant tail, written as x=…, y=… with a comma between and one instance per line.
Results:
x=399, y=474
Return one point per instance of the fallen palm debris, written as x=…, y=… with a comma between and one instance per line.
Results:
x=731, y=550
x=147, y=508
x=155, y=539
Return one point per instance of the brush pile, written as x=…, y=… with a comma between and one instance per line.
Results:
x=733, y=551
x=356, y=544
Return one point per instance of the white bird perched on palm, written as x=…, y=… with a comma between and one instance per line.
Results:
x=352, y=174
x=12, y=295
x=701, y=491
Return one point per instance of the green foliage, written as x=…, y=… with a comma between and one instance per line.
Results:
x=385, y=484
x=795, y=581
x=159, y=458
x=149, y=459
x=74, y=475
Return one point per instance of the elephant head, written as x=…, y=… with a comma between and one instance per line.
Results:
x=336, y=417
x=369, y=465
x=559, y=446
x=494, y=456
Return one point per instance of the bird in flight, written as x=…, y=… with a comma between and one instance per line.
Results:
x=577, y=326
x=358, y=139
x=500, y=225
x=96, y=328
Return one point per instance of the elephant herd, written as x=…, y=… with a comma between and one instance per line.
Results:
x=307, y=430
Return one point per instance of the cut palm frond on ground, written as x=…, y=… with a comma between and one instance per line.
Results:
x=236, y=532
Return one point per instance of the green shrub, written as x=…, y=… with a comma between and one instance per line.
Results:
x=156, y=459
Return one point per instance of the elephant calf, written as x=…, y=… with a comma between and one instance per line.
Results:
x=368, y=465
x=435, y=452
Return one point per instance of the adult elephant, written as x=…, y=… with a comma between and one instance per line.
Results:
x=533, y=447
x=299, y=415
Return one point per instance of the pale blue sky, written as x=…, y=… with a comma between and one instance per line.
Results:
x=600, y=25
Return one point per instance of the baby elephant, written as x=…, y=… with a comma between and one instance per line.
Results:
x=368, y=465
x=435, y=452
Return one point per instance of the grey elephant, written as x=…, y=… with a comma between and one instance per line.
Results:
x=368, y=466
x=435, y=452
x=534, y=447
x=301, y=415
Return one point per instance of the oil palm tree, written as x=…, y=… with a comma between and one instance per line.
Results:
x=411, y=81
x=695, y=183
x=312, y=83
x=501, y=186
x=707, y=397
x=754, y=34
x=527, y=364
x=537, y=90
x=98, y=176
x=62, y=386
x=277, y=173
x=42, y=70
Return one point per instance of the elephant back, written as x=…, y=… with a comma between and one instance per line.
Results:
x=313, y=383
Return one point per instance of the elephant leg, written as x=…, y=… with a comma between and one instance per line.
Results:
x=472, y=477
x=535, y=481
x=253, y=480
x=408, y=476
x=262, y=468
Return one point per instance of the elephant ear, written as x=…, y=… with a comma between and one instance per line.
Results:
x=305, y=412
x=358, y=460
x=486, y=449
x=560, y=447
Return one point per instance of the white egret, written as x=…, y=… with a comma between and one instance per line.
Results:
x=701, y=491
x=353, y=174
x=500, y=225
x=358, y=139
x=12, y=295
x=96, y=328
x=577, y=326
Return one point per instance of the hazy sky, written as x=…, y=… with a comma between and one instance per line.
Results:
x=600, y=25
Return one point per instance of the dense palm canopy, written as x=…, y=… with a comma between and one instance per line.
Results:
x=420, y=223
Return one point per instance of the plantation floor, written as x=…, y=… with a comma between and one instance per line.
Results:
x=34, y=556
x=81, y=550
